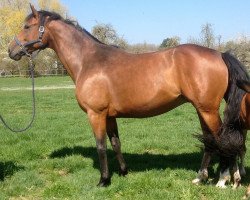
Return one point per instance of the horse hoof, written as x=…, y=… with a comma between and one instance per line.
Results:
x=197, y=181
x=247, y=194
x=123, y=172
x=237, y=179
x=221, y=184
x=245, y=197
x=201, y=177
x=236, y=185
x=104, y=182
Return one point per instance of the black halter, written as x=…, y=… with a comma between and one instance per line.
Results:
x=24, y=47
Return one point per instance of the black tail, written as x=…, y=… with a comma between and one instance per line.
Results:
x=231, y=140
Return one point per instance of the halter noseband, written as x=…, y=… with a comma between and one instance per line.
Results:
x=24, y=47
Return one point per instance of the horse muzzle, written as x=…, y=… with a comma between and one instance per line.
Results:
x=17, y=49
x=15, y=53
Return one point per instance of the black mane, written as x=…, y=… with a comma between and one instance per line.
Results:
x=55, y=16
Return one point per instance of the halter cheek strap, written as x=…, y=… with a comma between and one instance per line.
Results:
x=24, y=47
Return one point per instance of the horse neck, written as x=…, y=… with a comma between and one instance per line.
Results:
x=73, y=47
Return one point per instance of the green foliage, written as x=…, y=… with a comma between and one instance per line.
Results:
x=12, y=14
x=207, y=35
x=141, y=48
x=53, y=5
x=105, y=33
x=108, y=35
x=170, y=42
x=241, y=48
x=57, y=157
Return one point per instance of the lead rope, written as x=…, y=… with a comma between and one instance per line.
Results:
x=31, y=69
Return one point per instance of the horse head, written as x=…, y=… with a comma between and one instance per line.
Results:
x=32, y=37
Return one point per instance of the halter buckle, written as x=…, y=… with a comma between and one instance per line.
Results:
x=41, y=29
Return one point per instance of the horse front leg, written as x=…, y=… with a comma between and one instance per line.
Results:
x=98, y=124
x=113, y=135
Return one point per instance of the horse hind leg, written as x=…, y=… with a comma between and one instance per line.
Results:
x=210, y=124
x=236, y=175
x=202, y=175
x=242, y=163
x=242, y=156
x=239, y=171
x=113, y=135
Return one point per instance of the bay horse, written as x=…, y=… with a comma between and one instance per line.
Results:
x=245, y=103
x=245, y=113
x=111, y=83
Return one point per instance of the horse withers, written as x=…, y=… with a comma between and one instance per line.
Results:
x=111, y=83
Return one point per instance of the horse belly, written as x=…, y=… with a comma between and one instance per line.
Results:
x=146, y=107
x=153, y=92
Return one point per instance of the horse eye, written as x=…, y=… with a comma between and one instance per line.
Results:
x=26, y=27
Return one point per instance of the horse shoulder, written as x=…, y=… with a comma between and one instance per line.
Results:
x=92, y=92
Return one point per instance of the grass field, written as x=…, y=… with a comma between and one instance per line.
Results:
x=57, y=158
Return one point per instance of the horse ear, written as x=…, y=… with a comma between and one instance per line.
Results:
x=244, y=85
x=34, y=11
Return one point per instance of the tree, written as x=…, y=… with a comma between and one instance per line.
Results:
x=108, y=35
x=53, y=5
x=240, y=48
x=12, y=15
x=48, y=58
x=141, y=48
x=105, y=33
x=219, y=44
x=193, y=40
x=207, y=35
x=170, y=42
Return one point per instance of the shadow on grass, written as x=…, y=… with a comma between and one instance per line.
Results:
x=142, y=162
x=136, y=162
x=8, y=169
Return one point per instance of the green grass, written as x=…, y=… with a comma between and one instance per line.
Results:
x=57, y=158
